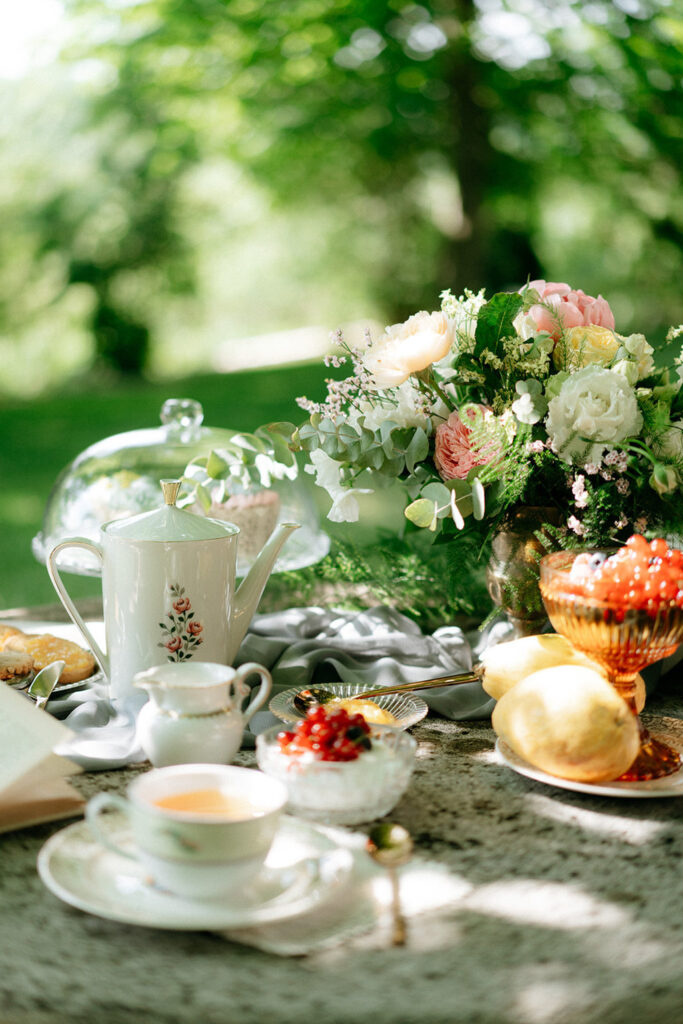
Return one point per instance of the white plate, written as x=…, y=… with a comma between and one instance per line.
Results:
x=407, y=708
x=304, y=868
x=670, y=785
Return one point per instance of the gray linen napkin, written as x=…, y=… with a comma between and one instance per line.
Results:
x=301, y=646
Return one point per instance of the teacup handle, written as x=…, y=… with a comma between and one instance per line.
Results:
x=242, y=674
x=53, y=573
x=92, y=812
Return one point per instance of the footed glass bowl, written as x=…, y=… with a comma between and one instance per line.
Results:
x=623, y=640
x=342, y=792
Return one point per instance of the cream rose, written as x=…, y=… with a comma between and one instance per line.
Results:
x=594, y=409
x=408, y=348
x=582, y=346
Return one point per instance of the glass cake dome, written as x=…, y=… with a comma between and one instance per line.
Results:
x=119, y=477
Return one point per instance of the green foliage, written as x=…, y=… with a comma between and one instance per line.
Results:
x=495, y=322
x=428, y=585
x=411, y=147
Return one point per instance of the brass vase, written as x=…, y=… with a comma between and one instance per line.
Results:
x=512, y=574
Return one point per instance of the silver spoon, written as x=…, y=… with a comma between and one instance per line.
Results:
x=316, y=695
x=44, y=682
x=391, y=846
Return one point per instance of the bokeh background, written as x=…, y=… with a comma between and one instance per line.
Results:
x=194, y=193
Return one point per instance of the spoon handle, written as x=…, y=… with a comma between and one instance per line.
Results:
x=399, y=929
x=424, y=684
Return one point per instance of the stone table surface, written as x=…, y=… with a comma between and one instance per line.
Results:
x=569, y=910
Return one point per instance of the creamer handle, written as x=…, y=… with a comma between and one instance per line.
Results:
x=63, y=596
x=242, y=674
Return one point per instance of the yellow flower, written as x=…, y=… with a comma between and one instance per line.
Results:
x=581, y=346
x=408, y=348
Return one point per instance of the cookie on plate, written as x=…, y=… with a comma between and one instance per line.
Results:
x=14, y=665
x=45, y=648
x=6, y=632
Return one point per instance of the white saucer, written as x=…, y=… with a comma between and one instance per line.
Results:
x=670, y=785
x=304, y=868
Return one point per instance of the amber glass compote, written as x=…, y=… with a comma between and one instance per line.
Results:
x=623, y=640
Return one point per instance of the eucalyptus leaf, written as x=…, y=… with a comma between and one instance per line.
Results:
x=421, y=512
x=281, y=450
x=250, y=443
x=478, y=499
x=386, y=429
x=216, y=466
x=309, y=439
x=417, y=450
x=437, y=492
x=203, y=497
x=456, y=514
x=394, y=466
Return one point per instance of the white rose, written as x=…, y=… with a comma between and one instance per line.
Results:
x=408, y=348
x=327, y=471
x=595, y=408
x=641, y=353
x=627, y=369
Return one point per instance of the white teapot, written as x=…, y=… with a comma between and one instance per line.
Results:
x=194, y=713
x=168, y=588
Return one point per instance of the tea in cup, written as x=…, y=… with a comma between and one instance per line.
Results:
x=200, y=830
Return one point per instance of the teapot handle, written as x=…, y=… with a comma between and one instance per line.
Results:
x=241, y=675
x=63, y=596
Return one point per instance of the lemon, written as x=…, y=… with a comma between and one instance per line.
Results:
x=568, y=721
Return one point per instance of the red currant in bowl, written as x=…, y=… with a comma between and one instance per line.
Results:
x=338, y=769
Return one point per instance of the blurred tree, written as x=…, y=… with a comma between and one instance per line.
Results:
x=461, y=144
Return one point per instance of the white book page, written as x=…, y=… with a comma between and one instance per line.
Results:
x=27, y=736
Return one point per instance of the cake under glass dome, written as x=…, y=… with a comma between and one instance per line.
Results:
x=119, y=476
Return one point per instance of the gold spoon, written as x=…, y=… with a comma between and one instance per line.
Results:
x=391, y=846
x=316, y=695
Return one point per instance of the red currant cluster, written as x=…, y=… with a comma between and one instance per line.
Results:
x=333, y=736
x=638, y=575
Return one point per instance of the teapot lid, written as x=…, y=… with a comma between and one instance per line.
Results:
x=169, y=523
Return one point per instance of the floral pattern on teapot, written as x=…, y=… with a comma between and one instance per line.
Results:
x=181, y=632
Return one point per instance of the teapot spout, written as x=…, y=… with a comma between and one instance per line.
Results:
x=250, y=589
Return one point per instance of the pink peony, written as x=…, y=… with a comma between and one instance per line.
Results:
x=453, y=455
x=564, y=308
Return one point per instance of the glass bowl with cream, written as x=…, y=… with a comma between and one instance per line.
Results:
x=394, y=710
x=326, y=779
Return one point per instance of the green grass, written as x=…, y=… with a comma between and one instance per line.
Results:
x=40, y=437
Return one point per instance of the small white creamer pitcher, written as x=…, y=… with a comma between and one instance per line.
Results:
x=194, y=713
x=168, y=589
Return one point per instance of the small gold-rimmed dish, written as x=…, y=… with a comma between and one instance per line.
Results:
x=407, y=709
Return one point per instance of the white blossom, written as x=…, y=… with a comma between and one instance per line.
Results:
x=594, y=409
x=327, y=471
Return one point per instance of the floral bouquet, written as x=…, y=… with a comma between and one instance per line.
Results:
x=528, y=398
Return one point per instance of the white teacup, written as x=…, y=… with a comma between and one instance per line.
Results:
x=200, y=830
